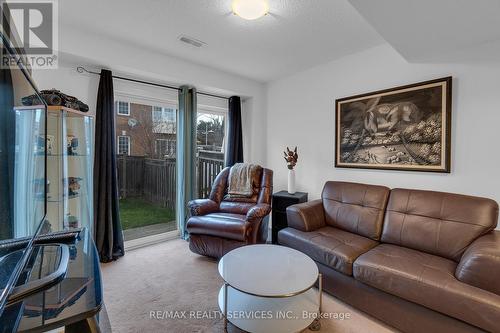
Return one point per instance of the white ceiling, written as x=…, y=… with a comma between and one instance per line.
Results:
x=462, y=31
x=297, y=34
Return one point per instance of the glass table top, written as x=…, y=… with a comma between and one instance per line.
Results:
x=268, y=270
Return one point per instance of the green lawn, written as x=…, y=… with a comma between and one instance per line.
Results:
x=135, y=212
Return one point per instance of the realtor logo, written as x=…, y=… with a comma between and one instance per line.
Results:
x=32, y=28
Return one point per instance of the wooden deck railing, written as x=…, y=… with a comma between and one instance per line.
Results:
x=209, y=165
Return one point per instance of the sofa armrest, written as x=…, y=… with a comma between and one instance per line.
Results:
x=307, y=216
x=480, y=263
x=258, y=211
x=202, y=207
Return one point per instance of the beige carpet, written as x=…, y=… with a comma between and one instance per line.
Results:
x=168, y=277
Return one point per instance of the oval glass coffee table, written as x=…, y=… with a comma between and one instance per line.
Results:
x=269, y=288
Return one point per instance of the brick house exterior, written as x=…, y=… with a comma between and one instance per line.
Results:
x=138, y=134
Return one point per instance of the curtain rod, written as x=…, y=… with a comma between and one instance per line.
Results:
x=81, y=69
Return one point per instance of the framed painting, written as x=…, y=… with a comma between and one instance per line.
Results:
x=403, y=128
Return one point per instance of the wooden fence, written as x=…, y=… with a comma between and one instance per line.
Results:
x=160, y=182
x=155, y=179
x=130, y=175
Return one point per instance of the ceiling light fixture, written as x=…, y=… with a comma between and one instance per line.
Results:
x=250, y=9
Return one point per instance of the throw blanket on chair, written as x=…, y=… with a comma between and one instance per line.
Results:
x=241, y=178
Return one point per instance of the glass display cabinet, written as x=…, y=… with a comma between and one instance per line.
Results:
x=69, y=169
x=53, y=181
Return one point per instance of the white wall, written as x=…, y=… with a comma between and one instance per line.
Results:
x=78, y=48
x=69, y=81
x=301, y=112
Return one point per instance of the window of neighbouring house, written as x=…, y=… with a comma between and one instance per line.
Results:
x=122, y=108
x=163, y=114
x=123, y=145
x=164, y=120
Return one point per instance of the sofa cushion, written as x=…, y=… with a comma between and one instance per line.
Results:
x=226, y=225
x=427, y=280
x=357, y=208
x=438, y=223
x=330, y=246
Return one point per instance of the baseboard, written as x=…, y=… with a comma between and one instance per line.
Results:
x=150, y=240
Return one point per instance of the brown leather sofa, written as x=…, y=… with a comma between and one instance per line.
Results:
x=420, y=261
x=218, y=224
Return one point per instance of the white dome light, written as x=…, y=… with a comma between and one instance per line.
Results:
x=250, y=9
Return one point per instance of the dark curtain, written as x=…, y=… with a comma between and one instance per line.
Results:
x=234, y=152
x=108, y=234
x=7, y=146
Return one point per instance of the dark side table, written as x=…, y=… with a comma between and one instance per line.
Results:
x=281, y=200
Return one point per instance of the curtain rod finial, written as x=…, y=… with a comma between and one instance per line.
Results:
x=81, y=69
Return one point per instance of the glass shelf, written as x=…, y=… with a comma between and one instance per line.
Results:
x=71, y=197
x=66, y=155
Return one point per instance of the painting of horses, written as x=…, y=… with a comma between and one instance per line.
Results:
x=403, y=128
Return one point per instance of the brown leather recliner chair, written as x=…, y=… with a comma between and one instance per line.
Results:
x=219, y=224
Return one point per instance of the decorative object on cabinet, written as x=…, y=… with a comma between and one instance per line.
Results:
x=281, y=200
x=49, y=143
x=72, y=144
x=73, y=185
x=71, y=221
x=55, y=97
x=291, y=158
x=403, y=128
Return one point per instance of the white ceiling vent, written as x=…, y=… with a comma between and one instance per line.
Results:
x=191, y=41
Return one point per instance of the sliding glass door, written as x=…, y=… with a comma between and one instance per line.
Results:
x=146, y=144
x=146, y=147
